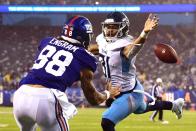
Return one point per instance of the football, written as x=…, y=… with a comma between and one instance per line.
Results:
x=165, y=53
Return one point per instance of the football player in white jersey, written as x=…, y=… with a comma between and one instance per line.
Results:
x=118, y=51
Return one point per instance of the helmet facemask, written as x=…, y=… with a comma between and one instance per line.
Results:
x=114, y=30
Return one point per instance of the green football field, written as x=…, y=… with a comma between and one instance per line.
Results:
x=88, y=119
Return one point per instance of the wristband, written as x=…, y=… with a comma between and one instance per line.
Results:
x=107, y=94
x=144, y=34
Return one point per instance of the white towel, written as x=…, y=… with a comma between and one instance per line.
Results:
x=69, y=109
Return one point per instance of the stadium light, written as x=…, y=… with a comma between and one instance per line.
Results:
x=97, y=8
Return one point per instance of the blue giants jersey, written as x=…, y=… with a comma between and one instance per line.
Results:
x=58, y=64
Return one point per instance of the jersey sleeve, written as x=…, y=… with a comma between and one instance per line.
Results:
x=87, y=59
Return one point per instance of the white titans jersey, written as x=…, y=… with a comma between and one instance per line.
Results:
x=118, y=69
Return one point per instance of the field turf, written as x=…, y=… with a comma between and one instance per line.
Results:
x=88, y=119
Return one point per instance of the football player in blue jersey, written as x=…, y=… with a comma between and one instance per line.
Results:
x=60, y=61
x=118, y=51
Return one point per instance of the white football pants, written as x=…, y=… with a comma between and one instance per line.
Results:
x=38, y=106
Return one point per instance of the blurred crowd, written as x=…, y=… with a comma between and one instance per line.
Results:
x=93, y=2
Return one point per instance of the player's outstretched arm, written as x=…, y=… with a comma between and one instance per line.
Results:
x=92, y=95
x=150, y=24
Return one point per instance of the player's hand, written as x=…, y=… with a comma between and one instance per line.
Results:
x=94, y=49
x=151, y=23
x=114, y=90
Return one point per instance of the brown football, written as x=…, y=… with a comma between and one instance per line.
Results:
x=166, y=53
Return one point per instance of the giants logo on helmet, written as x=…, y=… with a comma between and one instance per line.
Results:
x=89, y=28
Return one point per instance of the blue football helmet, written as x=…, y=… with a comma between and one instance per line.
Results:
x=118, y=21
x=78, y=28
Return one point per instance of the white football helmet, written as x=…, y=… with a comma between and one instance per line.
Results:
x=116, y=25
